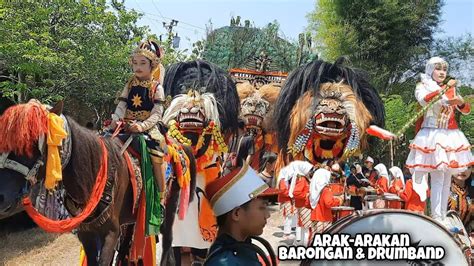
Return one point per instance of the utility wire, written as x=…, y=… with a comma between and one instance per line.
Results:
x=167, y=18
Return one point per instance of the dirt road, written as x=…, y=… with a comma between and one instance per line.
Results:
x=23, y=244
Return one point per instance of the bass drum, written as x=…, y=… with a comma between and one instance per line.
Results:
x=421, y=229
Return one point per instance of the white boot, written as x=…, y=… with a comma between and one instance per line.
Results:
x=298, y=239
x=305, y=236
x=287, y=225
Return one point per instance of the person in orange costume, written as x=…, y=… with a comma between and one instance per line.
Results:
x=412, y=199
x=398, y=181
x=298, y=191
x=322, y=199
x=381, y=183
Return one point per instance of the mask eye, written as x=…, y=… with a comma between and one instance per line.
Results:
x=184, y=110
x=194, y=109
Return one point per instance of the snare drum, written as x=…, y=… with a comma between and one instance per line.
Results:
x=422, y=230
x=341, y=212
x=371, y=191
x=373, y=202
x=392, y=201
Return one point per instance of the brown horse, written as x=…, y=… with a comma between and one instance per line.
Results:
x=22, y=145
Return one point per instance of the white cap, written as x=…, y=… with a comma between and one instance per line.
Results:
x=234, y=189
x=369, y=159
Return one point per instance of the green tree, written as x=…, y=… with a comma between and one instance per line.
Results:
x=72, y=50
x=397, y=112
x=459, y=53
x=466, y=122
x=384, y=37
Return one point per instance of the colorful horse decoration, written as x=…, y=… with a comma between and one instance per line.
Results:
x=105, y=194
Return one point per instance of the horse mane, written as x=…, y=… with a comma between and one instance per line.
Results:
x=24, y=124
x=21, y=127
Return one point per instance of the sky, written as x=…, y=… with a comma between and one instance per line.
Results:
x=193, y=15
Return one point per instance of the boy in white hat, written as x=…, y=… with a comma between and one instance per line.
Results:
x=241, y=215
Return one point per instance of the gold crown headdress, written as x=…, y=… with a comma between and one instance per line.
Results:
x=151, y=50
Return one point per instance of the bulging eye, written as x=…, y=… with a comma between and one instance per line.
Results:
x=194, y=109
x=184, y=110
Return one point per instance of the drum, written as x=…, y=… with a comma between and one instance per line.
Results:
x=392, y=201
x=373, y=202
x=341, y=212
x=337, y=188
x=422, y=230
x=369, y=191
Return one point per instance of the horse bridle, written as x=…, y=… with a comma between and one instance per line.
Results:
x=31, y=174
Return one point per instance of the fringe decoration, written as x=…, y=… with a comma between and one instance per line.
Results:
x=302, y=139
x=21, y=127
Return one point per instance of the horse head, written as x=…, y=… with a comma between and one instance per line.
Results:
x=22, y=151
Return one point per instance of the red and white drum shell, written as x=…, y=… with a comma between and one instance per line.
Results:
x=421, y=229
x=340, y=212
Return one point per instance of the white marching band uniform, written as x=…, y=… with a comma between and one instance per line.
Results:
x=439, y=148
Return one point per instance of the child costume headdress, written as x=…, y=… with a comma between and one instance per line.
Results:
x=152, y=51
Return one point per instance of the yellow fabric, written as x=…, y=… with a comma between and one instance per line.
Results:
x=82, y=257
x=56, y=134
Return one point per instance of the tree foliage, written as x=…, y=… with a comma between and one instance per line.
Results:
x=72, y=50
x=383, y=37
x=459, y=52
